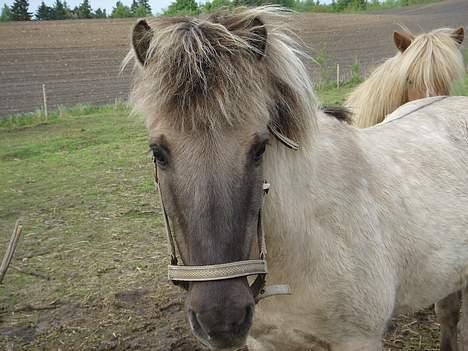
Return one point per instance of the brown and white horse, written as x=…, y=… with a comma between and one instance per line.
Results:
x=360, y=223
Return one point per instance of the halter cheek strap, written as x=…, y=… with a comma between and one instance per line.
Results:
x=182, y=274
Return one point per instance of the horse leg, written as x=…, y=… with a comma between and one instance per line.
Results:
x=463, y=326
x=448, y=313
x=359, y=344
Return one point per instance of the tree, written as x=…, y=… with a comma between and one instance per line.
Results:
x=58, y=11
x=359, y=4
x=43, y=12
x=145, y=4
x=248, y=2
x=6, y=14
x=100, y=13
x=85, y=11
x=19, y=11
x=74, y=12
x=134, y=7
x=216, y=4
x=68, y=10
x=140, y=12
x=351, y=4
x=120, y=11
x=182, y=7
x=285, y=3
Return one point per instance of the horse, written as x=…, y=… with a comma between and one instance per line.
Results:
x=429, y=64
x=360, y=224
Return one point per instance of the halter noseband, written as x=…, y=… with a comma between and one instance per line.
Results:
x=181, y=274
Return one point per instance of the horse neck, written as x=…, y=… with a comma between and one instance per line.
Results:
x=291, y=206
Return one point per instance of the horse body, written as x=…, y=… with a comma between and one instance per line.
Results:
x=360, y=223
x=362, y=244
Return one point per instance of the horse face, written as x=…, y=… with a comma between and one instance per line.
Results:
x=418, y=93
x=433, y=78
x=211, y=185
x=210, y=89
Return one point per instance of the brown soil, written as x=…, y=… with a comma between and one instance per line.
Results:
x=79, y=61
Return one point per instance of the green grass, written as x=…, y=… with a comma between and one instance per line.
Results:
x=331, y=95
x=82, y=186
x=37, y=117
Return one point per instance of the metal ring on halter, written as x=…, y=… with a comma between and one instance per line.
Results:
x=180, y=274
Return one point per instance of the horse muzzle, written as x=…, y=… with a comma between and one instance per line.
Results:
x=220, y=313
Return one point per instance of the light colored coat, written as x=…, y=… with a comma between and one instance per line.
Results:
x=364, y=224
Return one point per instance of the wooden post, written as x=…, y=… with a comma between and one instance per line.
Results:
x=10, y=250
x=337, y=75
x=44, y=98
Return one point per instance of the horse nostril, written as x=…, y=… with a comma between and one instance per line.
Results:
x=222, y=324
x=197, y=326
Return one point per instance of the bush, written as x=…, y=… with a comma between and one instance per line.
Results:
x=356, y=77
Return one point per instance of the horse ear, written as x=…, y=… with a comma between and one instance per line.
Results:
x=259, y=38
x=458, y=35
x=402, y=40
x=141, y=39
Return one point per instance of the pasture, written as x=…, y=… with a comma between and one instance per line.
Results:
x=89, y=272
x=90, y=269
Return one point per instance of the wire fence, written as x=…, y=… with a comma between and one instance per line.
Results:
x=24, y=93
x=48, y=83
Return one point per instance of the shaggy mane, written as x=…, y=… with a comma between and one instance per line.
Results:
x=433, y=63
x=214, y=72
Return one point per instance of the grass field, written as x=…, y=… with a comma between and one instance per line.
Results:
x=82, y=186
x=89, y=272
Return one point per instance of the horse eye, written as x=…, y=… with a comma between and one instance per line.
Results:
x=160, y=156
x=259, y=152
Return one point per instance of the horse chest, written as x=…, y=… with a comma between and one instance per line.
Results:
x=284, y=327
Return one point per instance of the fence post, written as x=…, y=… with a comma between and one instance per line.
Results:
x=337, y=75
x=10, y=250
x=44, y=98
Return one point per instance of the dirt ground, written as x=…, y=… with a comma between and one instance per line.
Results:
x=79, y=61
